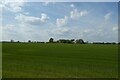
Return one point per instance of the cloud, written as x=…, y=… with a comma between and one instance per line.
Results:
x=72, y=5
x=87, y=30
x=28, y=25
x=46, y=3
x=15, y=6
x=24, y=32
x=107, y=16
x=0, y=27
x=44, y=17
x=31, y=19
x=75, y=14
x=8, y=31
x=1, y=22
x=115, y=28
x=62, y=21
x=60, y=31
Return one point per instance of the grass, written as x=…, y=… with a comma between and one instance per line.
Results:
x=37, y=60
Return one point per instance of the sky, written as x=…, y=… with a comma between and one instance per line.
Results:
x=39, y=21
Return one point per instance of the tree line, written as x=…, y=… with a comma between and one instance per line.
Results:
x=77, y=41
x=67, y=41
x=71, y=41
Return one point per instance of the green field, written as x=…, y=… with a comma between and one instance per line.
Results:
x=37, y=60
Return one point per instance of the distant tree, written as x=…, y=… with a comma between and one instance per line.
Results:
x=114, y=43
x=72, y=40
x=65, y=41
x=29, y=41
x=77, y=41
x=51, y=40
x=18, y=41
x=12, y=41
x=87, y=42
x=80, y=41
x=58, y=41
x=42, y=42
x=62, y=41
x=118, y=42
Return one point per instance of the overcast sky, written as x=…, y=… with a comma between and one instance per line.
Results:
x=69, y=20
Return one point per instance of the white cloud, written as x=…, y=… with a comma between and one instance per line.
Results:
x=87, y=30
x=1, y=20
x=72, y=5
x=8, y=31
x=0, y=27
x=107, y=16
x=9, y=27
x=75, y=14
x=25, y=29
x=13, y=6
x=24, y=32
x=44, y=17
x=27, y=19
x=31, y=19
x=59, y=31
x=62, y=21
x=47, y=3
x=115, y=28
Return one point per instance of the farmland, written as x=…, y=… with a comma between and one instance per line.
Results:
x=37, y=60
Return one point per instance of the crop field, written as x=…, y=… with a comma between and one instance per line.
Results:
x=40, y=60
